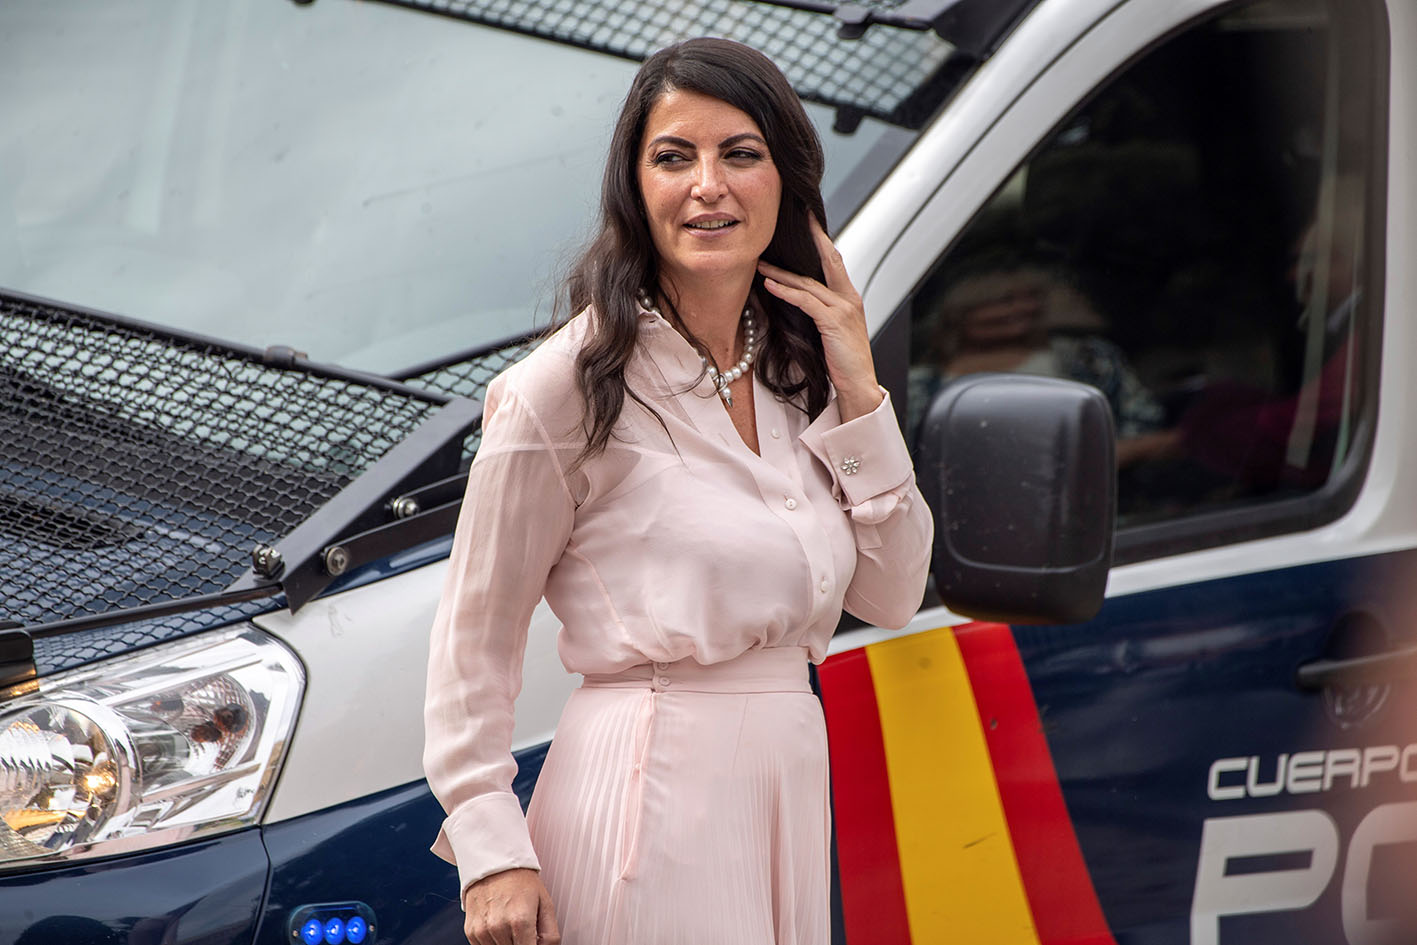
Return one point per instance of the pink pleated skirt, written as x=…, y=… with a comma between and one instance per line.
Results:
x=683, y=804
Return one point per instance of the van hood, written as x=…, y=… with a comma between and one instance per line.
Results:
x=158, y=483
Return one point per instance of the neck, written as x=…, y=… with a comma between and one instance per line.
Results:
x=711, y=309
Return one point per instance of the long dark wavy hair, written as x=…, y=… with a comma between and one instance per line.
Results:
x=621, y=260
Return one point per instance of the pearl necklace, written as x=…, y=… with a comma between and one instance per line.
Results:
x=721, y=379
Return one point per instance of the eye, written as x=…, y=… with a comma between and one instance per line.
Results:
x=745, y=154
x=667, y=158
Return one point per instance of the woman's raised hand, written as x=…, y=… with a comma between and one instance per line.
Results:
x=836, y=308
x=509, y=908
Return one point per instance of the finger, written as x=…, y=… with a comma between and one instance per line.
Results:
x=833, y=268
x=793, y=280
x=547, y=932
x=815, y=308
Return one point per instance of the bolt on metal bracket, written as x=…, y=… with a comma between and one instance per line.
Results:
x=267, y=561
x=404, y=507
x=336, y=560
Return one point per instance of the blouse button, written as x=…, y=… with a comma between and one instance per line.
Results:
x=661, y=666
x=825, y=585
x=663, y=680
x=791, y=503
x=775, y=433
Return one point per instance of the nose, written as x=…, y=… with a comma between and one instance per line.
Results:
x=708, y=182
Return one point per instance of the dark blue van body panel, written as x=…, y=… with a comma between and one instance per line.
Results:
x=208, y=892
x=1140, y=703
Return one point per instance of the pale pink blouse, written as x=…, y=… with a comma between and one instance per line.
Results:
x=663, y=547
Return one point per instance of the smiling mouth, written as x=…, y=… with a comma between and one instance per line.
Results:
x=712, y=225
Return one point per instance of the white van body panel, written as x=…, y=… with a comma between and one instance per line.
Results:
x=366, y=662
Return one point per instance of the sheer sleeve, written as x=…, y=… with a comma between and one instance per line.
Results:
x=515, y=523
x=873, y=479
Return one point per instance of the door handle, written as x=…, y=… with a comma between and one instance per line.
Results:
x=1377, y=668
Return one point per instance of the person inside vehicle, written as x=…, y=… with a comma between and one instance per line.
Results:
x=1273, y=443
x=699, y=471
x=1007, y=315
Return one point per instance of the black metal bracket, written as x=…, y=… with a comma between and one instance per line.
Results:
x=377, y=514
x=450, y=489
x=972, y=26
x=855, y=19
x=380, y=542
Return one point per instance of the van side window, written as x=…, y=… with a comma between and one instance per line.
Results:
x=1194, y=241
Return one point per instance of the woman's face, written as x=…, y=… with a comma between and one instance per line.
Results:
x=710, y=188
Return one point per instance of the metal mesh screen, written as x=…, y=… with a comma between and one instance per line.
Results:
x=67, y=650
x=139, y=469
x=884, y=73
x=468, y=376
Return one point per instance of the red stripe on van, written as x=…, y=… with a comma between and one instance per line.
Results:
x=1060, y=892
x=872, y=894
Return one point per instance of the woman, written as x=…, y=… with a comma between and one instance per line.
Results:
x=697, y=471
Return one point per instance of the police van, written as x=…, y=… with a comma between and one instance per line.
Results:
x=1138, y=276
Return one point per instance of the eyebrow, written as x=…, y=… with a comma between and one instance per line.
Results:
x=725, y=143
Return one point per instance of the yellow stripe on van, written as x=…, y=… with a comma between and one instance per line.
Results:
x=962, y=882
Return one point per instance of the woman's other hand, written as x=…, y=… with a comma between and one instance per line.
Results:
x=836, y=308
x=509, y=908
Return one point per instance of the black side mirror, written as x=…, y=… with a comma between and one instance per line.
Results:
x=1021, y=474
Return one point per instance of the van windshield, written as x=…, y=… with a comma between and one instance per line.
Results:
x=369, y=185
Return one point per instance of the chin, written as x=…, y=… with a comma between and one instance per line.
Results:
x=712, y=265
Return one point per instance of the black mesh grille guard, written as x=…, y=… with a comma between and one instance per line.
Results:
x=897, y=75
x=141, y=467
x=467, y=373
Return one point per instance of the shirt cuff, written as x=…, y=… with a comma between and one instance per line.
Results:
x=485, y=836
x=866, y=456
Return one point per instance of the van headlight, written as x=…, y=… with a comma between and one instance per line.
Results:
x=171, y=743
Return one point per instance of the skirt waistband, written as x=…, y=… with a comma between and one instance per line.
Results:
x=774, y=669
